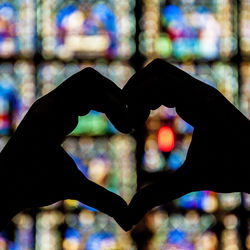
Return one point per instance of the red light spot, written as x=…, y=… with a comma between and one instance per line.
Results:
x=166, y=139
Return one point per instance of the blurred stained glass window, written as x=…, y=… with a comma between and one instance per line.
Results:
x=87, y=28
x=185, y=30
x=17, y=28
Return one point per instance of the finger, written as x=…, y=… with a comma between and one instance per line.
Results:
x=103, y=200
x=162, y=83
x=56, y=114
x=142, y=85
x=96, y=196
x=167, y=187
x=141, y=95
x=114, y=106
x=88, y=89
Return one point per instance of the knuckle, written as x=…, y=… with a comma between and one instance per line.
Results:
x=37, y=104
x=84, y=74
x=89, y=72
x=159, y=63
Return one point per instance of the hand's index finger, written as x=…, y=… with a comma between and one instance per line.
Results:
x=167, y=187
x=56, y=114
x=88, y=89
x=162, y=83
x=96, y=196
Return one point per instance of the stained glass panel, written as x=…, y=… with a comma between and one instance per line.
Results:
x=17, y=28
x=185, y=30
x=87, y=28
x=17, y=93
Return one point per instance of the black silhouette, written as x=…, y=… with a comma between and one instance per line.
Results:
x=217, y=158
x=35, y=169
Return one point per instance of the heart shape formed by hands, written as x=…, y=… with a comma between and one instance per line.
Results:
x=48, y=174
x=217, y=156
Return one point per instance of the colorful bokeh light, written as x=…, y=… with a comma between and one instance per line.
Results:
x=166, y=139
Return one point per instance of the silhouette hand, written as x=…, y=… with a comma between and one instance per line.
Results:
x=217, y=158
x=36, y=171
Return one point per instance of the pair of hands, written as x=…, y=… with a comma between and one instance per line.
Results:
x=36, y=171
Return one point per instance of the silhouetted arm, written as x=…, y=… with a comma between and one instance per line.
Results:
x=36, y=170
x=218, y=157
